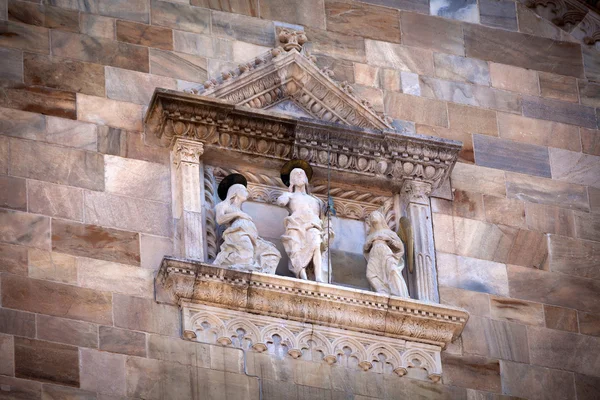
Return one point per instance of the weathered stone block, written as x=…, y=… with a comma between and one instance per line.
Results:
x=474, y=178
x=246, y=7
x=524, y=51
x=410, y=83
x=538, y=132
x=240, y=27
x=71, y=133
x=109, y=112
x=558, y=87
x=7, y=356
x=366, y=75
x=153, y=249
x=46, y=361
x=25, y=229
x=12, y=65
x=529, y=381
x=145, y=315
x=180, y=16
x=433, y=33
x=97, y=25
x=587, y=226
x=336, y=45
x=20, y=124
x=520, y=311
x=57, y=164
x=117, y=278
x=103, y=372
x=573, y=352
x=100, y=51
x=56, y=299
x=26, y=37
x=13, y=193
x=13, y=259
x=364, y=20
x=457, y=68
x=55, y=200
x=52, y=266
x=39, y=100
x=152, y=379
x=511, y=156
x=577, y=293
x=466, y=153
x=178, y=65
x=21, y=388
x=242, y=52
x=473, y=120
x=17, y=323
x=54, y=392
x=503, y=211
x=465, y=204
x=134, y=87
x=308, y=13
x=574, y=257
x=497, y=339
x=77, y=333
x=498, y=14
x=472, y=274
x=135, y=10
x=403, y=58
x=546, y=191
x=95, y=242
x=145, y=35
x=416, y=109
x=583, y=169
x=135, y=178
x=122, y=341
x=204, y=45
x=549, y=219
x=589, y=324
x=514, y=79
x=184, y=352
x=560, y=318
x=587, y=387
x=475, y=303
x=409, y=388
x=529, y=249
x=471, y=372
x=533, y=24
x=559, y=111
x=590, y=141
x=62, y=73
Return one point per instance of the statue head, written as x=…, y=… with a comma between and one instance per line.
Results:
x=237, y=192
x=376, y=221
x=298, y=178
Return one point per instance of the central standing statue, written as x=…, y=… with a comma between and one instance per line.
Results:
x=305, y=239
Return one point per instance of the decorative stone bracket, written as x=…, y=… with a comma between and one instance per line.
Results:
x=307, y=319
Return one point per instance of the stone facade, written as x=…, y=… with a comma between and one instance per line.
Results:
x=86, y=193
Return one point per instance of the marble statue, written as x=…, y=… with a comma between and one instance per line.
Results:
x=384, y=252
x=242, y=248
x=305, y=238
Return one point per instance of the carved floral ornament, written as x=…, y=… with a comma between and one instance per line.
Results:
x=373, y=170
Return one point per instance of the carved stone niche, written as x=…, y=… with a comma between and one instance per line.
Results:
x=309, y=320
x=252, y=120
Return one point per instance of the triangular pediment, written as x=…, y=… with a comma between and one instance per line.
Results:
x=287, y=80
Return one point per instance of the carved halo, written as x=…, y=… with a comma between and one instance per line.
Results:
x=287, y=168
x=229, y=181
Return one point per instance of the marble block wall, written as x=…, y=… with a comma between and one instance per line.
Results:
x=85, y=213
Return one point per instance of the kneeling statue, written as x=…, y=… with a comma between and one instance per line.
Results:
x=384, y=252
x=242, y=248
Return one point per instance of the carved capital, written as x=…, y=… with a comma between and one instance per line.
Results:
x=185, y=150
x=416, y=191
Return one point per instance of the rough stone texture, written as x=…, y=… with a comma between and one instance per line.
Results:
x=13, y=193
x=46, y=361
x=76, y=333
x=7, y=356
x=546, y=191
x=498, y=14
x=538, y=132
x=472, y=119
x=117, y=278
x=583, y=169
x=472, y=372
x=95, y=242
x=497, y=339
x=559, y=111
x=519, y=311
x=559, y=318
x=418, y=109
x=587, y=387
x=97, y=25
x=150, y=317
x=17, y=323
x=589, y=324
x=456, y=68
x=65, y=74
x=109, y=112
x=590, y=141
x=399, y=57
x=523, y=51
x=514, y=79
x=12, y=65
x=536, y=382
x=99, y=51
x=549, y=219
x=363, y=20
x=122, y=341
x=13, y=259
x=574, y=257
x=52, y=266
x=510, y=156
x=503, y=211
x=578, y=353
x=56, y=164
x=195, y=354
x=545, y=289
x=102, y=372
x=559, y=87
x=25, y=229
x=587, y=226
x=55, y=200
x=434, y=33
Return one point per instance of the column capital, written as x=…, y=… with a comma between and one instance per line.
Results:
x=416, y=191
x=185, y=150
